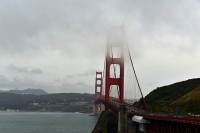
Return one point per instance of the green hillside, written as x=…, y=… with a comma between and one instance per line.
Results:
x=189, y=102
x=163, y=98
x=191, y=96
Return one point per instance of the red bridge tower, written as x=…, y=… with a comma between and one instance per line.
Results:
x=118, y=81
x=98, y=92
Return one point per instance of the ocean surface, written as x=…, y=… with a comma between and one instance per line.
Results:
x=46, y=122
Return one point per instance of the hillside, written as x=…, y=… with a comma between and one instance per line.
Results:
x=191, y=96
x=189, y=102
x=28, y=91
x=163, y=98
x=66, y=102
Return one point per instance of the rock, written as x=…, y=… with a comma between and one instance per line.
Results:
x=107, y=123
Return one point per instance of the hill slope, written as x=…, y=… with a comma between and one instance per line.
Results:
x=28, y=91
x=189, y=97
x=162, y=98
x=66, y=102
x=189, y=102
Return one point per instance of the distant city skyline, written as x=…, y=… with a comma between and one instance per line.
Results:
x=58, y=45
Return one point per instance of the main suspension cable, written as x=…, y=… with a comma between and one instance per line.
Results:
x=136, y=76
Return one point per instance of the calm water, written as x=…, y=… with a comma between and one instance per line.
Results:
x=43, y=122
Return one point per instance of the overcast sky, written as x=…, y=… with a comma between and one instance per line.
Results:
x=57, y=45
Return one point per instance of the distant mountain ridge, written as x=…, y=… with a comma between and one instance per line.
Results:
x=28, y=91
x=64, y=102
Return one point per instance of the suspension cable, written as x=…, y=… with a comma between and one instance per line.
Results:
x=136, y=76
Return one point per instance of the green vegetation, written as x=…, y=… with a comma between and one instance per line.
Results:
x=189, y=102
x=66, y=102
x=179, y=97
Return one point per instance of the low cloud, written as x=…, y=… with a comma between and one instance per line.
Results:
x=30, y=70
x=18, y=69
x=36, y=71
x=68, y=41
x=87, y=73
x=90, y=72
x=3, y=79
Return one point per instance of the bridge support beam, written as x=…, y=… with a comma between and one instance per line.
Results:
x=141, y=123
x=122, y=119
x=117, y=81
x=98, y=93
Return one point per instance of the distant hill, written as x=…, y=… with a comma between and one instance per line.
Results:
x=28, y=91
x=66, y=102
x=169, y=98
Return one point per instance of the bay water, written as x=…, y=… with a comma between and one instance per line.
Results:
x=46, y=122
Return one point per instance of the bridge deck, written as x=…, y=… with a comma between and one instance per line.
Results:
x=132, y=111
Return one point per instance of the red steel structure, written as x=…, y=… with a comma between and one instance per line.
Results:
x=117, y=81
x=98, y=92
x=159, y=123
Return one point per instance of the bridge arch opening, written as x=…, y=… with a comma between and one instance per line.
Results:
x=114, y=92
x=99, y=82
x=98, y=76
x=115, y=52
x=98, y=89
x=114, y=71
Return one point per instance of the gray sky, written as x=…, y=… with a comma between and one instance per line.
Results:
x=57, y=45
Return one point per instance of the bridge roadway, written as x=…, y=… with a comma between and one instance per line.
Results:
x=159, y=123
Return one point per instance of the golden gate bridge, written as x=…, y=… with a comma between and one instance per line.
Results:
x=118, y=85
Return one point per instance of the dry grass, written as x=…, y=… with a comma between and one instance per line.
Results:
x=189, y=97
